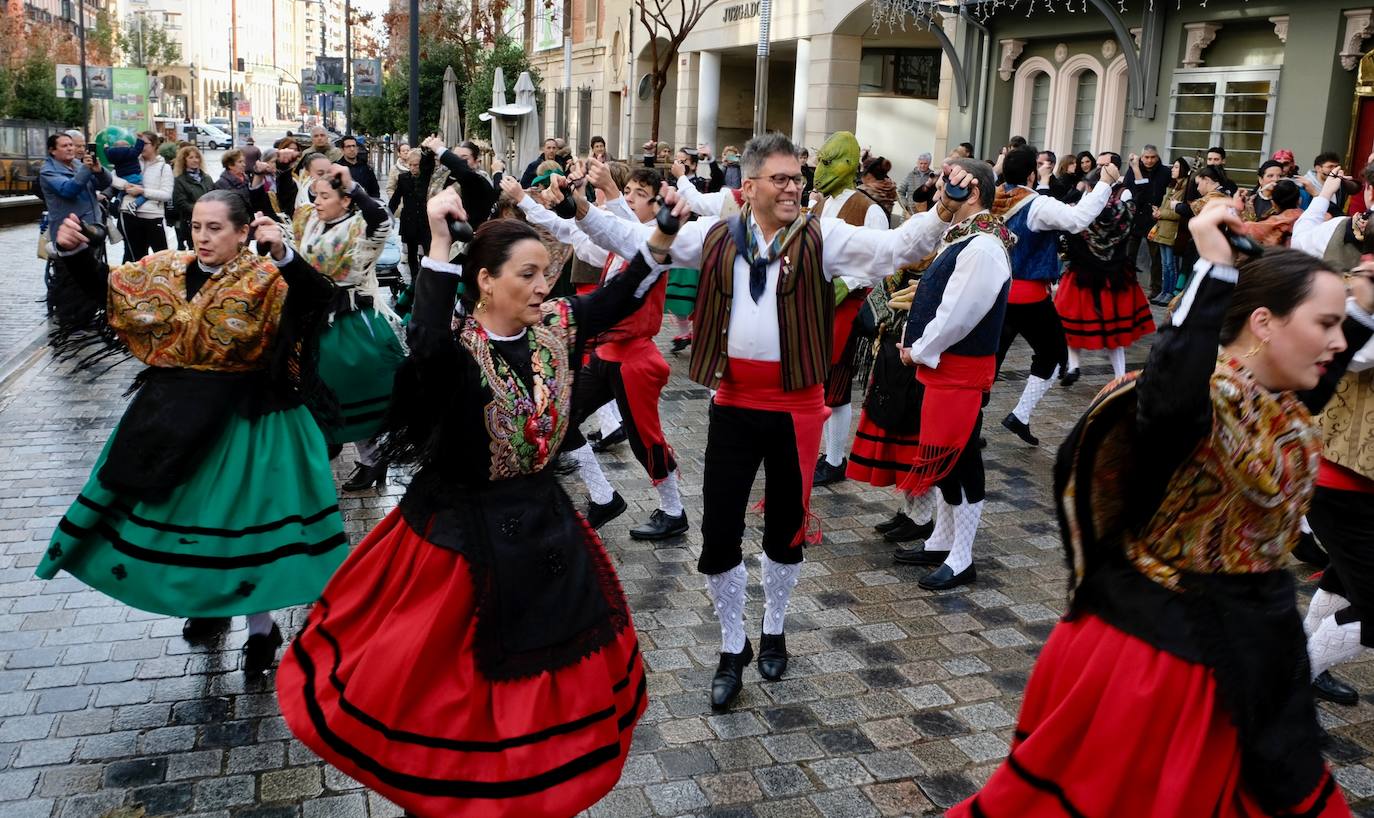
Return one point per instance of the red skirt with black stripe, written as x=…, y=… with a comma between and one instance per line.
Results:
x=1102, y=319
x=1113, y=727
x=382, y=683
x=879, y=457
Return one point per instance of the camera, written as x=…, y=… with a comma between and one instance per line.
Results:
x=94, y=233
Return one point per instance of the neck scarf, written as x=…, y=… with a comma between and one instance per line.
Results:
x=758, y=264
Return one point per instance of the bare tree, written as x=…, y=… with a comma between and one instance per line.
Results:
x=670, y=20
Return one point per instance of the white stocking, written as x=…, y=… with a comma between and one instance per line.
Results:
x=1036, y=388
x=608, y=418
x=668, y=497
x=778, y=582
x=921, y=508
x=1073, y=359
x=1118, y=359
x=1324, y=603
x=942, y=538
x=1333, y=644
x=727, y=591
x=837, y=433
x=592, y=477
x=260, y=624
x=966, y=516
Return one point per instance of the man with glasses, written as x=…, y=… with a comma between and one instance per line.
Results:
x=357, y=165
x=764, y=318
x=624, y=365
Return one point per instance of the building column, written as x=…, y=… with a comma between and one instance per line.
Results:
x=801, y=90
x=833, y=95
x=685, y=115
x=708, y=99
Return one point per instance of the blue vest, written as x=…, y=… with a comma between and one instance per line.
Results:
x=984, y=337
x=1036, y=254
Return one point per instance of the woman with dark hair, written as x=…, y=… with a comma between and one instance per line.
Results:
x=341, y=232
x=1275, y=229
x=1206, y=185
x=1099, y=299
x=874, y=180
x=475, y=655
x=1177, y=684
x=213, y=497
x=1165, y=233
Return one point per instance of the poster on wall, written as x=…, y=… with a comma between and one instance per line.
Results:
x=308, y=83
x=367, y=78
x=548, y=28
x=129, y=106
x=329, y=75
x=99, y=82
x=68, y=81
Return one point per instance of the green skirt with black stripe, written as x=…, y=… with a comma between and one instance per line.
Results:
x=682, y=291
x=359, y=355
x=254, y=528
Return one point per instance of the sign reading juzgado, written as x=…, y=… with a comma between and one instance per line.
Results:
x=741, y=11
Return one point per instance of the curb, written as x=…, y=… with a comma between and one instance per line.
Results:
x=30, y=350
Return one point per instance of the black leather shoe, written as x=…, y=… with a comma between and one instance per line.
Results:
x=910, y=530
x=598, y=514
x=1310, y=551
x=1014, y=425
x=660, y=526
x=1070, y=377
x=944, y=578
x=364, y=477
x=918, y=555
x=772, y=656
x=611, y=440
x=1328, y=687
x=891, y=523
x=196, y=629
x=826, y=474
x=260, y=651
x=729, y=678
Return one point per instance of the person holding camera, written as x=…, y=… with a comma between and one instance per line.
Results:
x=341, y=232
x=1099, y=298
x=70, y=185
x=213, y=497
x=484, y=610
x=917, y=190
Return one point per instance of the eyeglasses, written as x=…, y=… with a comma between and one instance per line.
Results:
x=780, y=180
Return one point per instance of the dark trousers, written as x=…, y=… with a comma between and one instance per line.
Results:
x=184, y=241
x=598, y=383
x=142, y=236
x=1039, y=324
x=1156, y=268
x=738, y=440
x=1344, y=523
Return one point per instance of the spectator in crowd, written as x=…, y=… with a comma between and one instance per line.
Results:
x=235, y=174
x=143, y=209
x=461, y=162
x=729, y=165
x=1364, y=200
x=252, y=154
x=598, y=150
x=319, y=143
x=1258, y=200
x=407, y=201
x=70, y=186
x=190, y=183
x=808, y=171
x=357, y=165
x=532, y=169
x=1275, y=229
x=965, y=150
x=874, y=180
x=1326, y=163
x=1066, y=178
x=1147, y=179
x=918, y=188
x=1204, y=187
x=1086, y=163
x=402, y=165
x=1216, y=158
x=1165, y=236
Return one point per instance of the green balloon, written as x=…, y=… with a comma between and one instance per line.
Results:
x=108, y=137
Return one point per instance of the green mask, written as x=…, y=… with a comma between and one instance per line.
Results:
x=836, y=163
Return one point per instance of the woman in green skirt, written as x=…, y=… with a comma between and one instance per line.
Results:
x=341, y=231
x=214, y=496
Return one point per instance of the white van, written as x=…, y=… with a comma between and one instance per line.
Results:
x=212, y=137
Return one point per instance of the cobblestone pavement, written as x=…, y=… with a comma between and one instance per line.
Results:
x=21, y=277
x=897, y=702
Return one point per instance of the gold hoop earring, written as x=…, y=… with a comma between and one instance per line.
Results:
x=482, y=304
x=1255, y=351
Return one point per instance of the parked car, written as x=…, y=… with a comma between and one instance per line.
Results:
x=212, y=137
x=389, y=266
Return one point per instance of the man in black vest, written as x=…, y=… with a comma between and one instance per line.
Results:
x=764, y=312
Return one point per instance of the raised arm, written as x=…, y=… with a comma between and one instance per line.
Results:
x=625, y=238
x=703, y=204
x=565, y=230
x=1051, y=214
x=866, y=255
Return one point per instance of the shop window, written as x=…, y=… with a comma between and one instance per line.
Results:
x=907, y=72
x=1085, y=102
x=1039, y=109
x=1233, y=109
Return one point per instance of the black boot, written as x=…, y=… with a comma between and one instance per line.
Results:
x=260, y=651
x=910, y=530
x=1328, y=687
x=1014, y=425
x=365, y=476
x=598, y=514
x=772, y=656
x=893, y=522
x=194, y=630
x=660, y=526
x=610, y=441
x=729, y=678
x=827, y=474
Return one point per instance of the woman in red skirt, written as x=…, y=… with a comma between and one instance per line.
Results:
x=1099, y=299
x=1177, y=684
x=475, y=654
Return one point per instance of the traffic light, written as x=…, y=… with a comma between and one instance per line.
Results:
x=225, y=98
x=238, y=64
